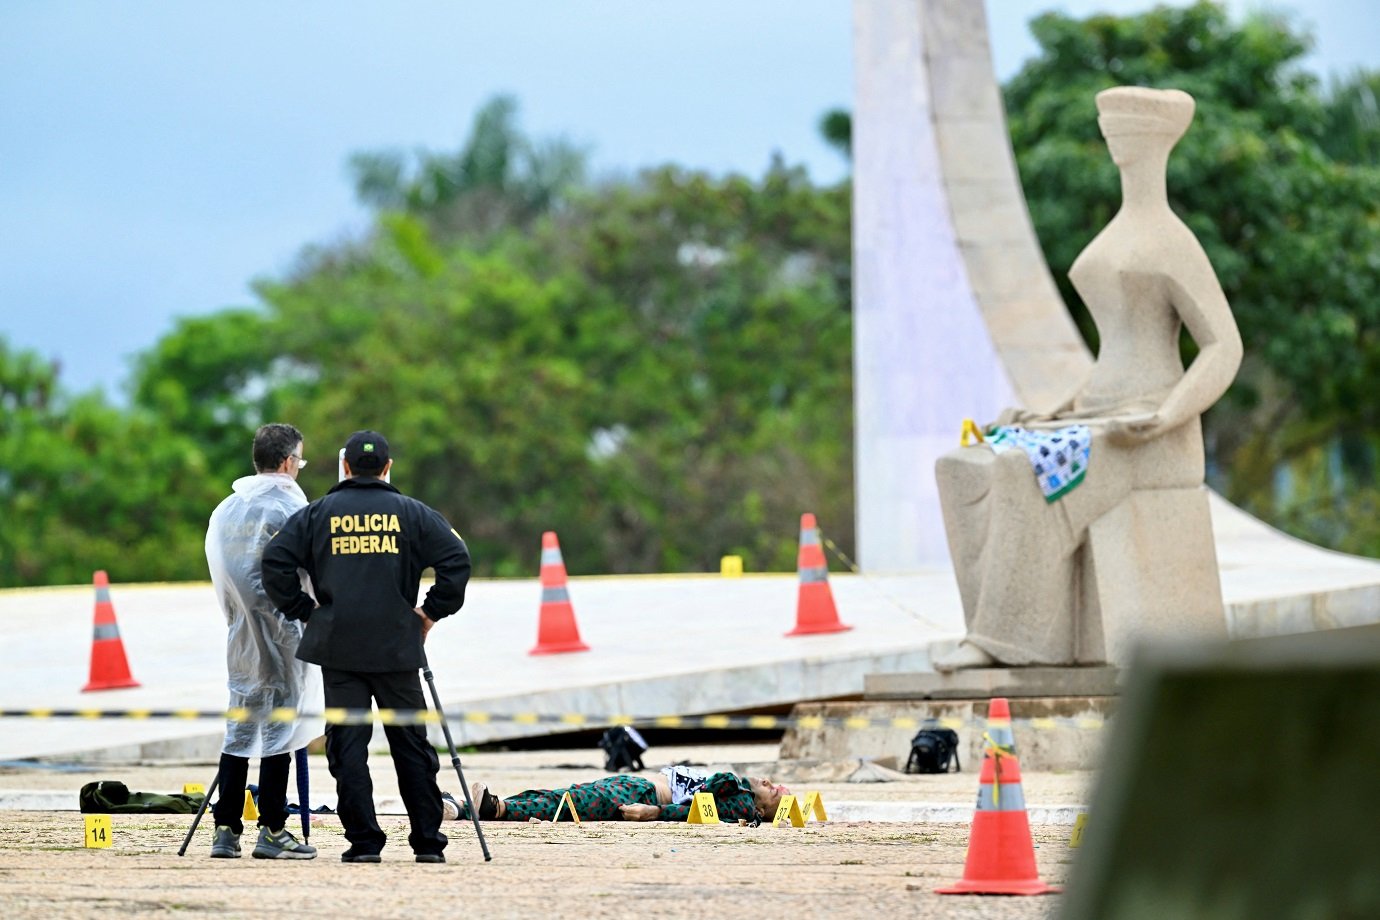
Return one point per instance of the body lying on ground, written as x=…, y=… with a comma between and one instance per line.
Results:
x=663, y=796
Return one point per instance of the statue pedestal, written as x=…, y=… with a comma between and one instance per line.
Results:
x=985, y=683
x=1059, y=716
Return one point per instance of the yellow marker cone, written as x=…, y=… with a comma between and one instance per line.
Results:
x=703, y=810
x=98, y=831
x=251, y=811
x=970, y=430
x=788, y=810
x=566, y=800
x=814, y=806
x=1076, y=839
x=731, y=566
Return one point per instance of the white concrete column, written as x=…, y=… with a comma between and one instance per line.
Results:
x=923, y=359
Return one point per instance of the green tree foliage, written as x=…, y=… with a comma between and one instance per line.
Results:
x=87, y=486
x=1351, y=126
x=499, y=178
x=836, y=127
x=1280, y=183
x=213, y=378
x=659, y=368
x=658, y=371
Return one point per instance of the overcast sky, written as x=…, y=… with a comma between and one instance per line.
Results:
x=155, y=157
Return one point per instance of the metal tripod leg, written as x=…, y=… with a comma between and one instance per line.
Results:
x=200, y=811
x=455, y=760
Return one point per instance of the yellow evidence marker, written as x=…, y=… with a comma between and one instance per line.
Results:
x=731, y=566
x=566, y=800
x=970, y=429
x=703, y=810
x=789, y=809
x=251, y=812
x=98, y=831
x=193, y=789
x=1076, y=840
x=814, y=805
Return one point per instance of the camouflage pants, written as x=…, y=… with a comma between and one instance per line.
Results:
x=596, y=801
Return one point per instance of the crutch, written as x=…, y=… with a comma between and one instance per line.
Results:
x=454, y=756
x=182, y=850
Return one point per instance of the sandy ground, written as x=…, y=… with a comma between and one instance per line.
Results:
x=610, y=869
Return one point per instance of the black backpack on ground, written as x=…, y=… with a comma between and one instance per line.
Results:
x=623, y=749
x=931, y=750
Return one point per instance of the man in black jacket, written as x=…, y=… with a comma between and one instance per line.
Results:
x=365, y=544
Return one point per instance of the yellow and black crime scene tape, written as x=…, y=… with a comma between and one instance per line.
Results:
x=571, y=720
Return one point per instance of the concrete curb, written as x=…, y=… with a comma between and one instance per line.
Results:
x=940, y=812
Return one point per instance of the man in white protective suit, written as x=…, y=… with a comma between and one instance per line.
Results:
x=261, y=648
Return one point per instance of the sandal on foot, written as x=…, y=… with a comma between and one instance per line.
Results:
x=486, y=801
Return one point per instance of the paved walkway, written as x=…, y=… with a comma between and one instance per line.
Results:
x=1056, y=798
x=659, y=645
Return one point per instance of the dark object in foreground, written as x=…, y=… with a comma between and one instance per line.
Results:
x=1265, y=812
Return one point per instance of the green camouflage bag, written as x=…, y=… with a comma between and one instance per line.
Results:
x=112, y=797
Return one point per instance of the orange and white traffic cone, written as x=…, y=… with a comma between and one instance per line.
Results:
x=556, y=629
x=814, y=610
x=109, y=666
x=1001, y=856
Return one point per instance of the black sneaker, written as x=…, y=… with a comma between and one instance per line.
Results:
x=450, y=809
x=281, y=844
x=431, y=857
x=225, y=844
x=350, y=856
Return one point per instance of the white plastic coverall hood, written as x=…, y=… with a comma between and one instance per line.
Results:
x=261, y=646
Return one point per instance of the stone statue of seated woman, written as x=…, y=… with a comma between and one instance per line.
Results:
x=1029, y=585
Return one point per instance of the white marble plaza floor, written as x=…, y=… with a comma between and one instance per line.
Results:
x=668, y=645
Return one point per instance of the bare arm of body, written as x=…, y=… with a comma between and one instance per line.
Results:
x=640, y=812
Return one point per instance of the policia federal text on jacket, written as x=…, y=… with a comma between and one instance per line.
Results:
x=364, y=546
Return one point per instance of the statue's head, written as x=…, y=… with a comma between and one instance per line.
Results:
x=1137, y=120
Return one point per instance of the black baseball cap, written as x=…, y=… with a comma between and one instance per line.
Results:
x=366, y=452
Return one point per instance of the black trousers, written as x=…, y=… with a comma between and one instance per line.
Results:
x=273, y=778
x=414, y=759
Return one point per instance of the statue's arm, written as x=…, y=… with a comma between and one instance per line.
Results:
x=1197, y=297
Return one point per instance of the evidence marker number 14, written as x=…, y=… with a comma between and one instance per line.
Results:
x=98, y=831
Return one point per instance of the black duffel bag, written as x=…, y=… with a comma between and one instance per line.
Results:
x=112, y=797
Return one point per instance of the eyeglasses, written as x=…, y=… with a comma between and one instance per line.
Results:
x=298, y=458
